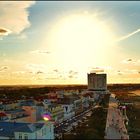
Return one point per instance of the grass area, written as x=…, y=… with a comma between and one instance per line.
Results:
x=94, y=128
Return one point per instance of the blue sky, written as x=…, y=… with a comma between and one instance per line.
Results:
x=35, y=34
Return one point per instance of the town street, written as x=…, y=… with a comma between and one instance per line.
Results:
x=115, y=127
x=66, y=126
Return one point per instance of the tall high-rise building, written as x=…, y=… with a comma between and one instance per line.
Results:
x=97, y=82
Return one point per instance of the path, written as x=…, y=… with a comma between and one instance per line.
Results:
x=115, y=127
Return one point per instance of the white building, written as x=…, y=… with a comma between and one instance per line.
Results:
x=68, y=106
x=85, y=102
x=13, y=130
x=68, y=110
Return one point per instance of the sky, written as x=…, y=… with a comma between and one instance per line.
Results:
x=59, y=42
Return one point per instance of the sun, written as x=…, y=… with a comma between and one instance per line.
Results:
x=79, y=38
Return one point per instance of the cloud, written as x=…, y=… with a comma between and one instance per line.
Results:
x=4, y=31
x=128, y=72
x=100, y=69
x=131, y=71
x=22, y=36
x=54, y=74
x=131, y=61
x=39, y=72
x=40, y=52
x=51, y=78
x=3, y=68
x=72, y=74
x=128, y=61
x=26, y=72
x=14, y=16
x=19, y=72
x=120, y=72
x=129, y=35
x=2, y=54
x=56, y=70
x=36, y=68
x=61, y=75
x=96, y=69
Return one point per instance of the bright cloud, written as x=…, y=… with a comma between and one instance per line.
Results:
x=3, y=68
x=14, y=16
x=128, y=72
x=132, y=71
x=19, y=72
x=40, y=52
x=131, y=61
x=100, y=69
x=34, y=68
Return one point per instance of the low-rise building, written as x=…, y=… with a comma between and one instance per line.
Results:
x=85, y=101
x=57, y=112
x=29, y=102
x=16, y=115
x=34, y=112
x=52, y=97
x=3, y=116
x=8, y=105
x=68, y=106
x=14, y=130
x=46, y=103
x=78, y=107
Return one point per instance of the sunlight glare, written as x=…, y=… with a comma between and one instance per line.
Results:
x=80, y=37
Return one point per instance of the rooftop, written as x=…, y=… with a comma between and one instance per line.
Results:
x=2, y=114
x=7, y=129
x=14, y=111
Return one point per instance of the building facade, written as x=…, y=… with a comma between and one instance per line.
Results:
x=97, y=82
x=14, y=130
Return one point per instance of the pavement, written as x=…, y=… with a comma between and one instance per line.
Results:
x=115, y=127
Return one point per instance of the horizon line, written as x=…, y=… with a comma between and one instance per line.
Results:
x=66, y=84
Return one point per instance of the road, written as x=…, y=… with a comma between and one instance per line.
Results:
x=66, y=126
x=115, y=127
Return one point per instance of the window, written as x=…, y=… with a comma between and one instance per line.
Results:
x=66, y=108
x=42, y=132
x=45, y=131
x=20, y=136
x=25, y=136
x=50, y=129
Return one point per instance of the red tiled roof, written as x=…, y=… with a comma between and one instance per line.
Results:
x=2, y=114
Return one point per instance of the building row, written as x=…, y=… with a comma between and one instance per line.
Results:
x=23, y=118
